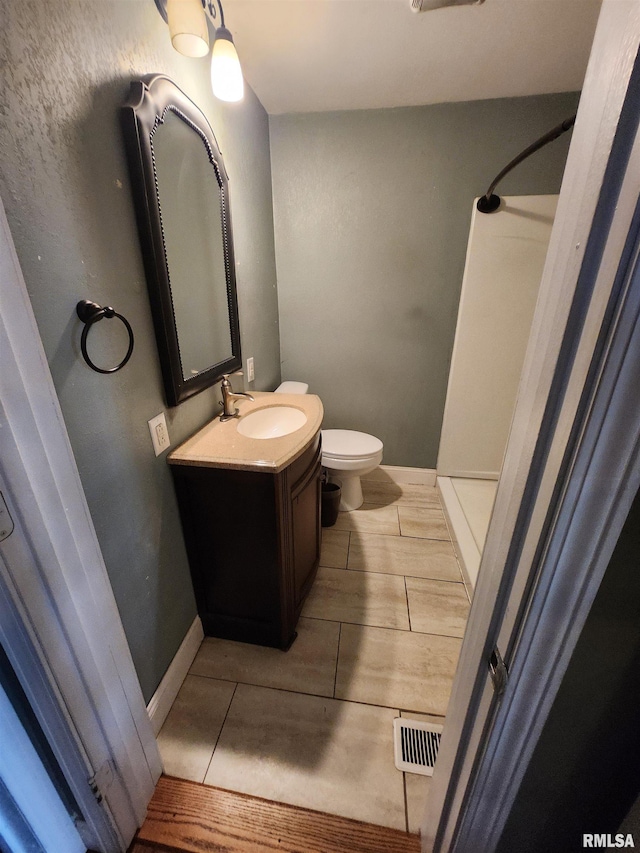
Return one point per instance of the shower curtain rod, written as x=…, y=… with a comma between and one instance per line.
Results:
x=490, y=202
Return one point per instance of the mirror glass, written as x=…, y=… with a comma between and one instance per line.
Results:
x=181, y=192
x=192, y=223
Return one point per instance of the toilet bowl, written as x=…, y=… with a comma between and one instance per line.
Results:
x=347, y=455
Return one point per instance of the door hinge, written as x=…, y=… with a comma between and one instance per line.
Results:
x=101, y=781
x=498, y=671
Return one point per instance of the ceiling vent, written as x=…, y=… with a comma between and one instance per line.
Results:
x=428, y=5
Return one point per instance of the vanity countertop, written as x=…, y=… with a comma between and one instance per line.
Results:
x=220, y=445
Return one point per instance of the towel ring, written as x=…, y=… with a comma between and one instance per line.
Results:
x=90, y=313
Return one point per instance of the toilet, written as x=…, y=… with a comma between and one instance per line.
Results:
x=347, y=455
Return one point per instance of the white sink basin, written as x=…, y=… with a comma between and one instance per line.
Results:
x=272, y=422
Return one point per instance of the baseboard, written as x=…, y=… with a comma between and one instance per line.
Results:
x=462, y=539
x=400, y=474
x=164, y=697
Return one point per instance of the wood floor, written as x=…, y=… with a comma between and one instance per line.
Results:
x=186, y=817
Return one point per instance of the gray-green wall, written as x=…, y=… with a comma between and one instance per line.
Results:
x=372, y=212
x=65, y=70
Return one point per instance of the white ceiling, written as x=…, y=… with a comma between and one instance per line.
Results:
x=316, y=55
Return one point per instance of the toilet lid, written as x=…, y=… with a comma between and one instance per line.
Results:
x=346, y=443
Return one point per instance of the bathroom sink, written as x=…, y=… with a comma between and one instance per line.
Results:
x=271, y=422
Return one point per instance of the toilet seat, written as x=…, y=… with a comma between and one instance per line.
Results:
x=352, y=454
x=349, y=444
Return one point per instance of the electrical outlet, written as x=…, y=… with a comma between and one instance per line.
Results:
x=159, y=433
x=251, y=374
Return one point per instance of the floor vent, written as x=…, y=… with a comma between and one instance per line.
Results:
x=416, y=745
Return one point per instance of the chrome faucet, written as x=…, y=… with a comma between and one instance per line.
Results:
x=228, y=396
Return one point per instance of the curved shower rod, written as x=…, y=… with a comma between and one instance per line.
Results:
x=490, y=202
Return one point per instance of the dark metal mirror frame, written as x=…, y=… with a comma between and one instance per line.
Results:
x=149, y=100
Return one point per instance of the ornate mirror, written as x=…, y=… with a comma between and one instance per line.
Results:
x=181, y=195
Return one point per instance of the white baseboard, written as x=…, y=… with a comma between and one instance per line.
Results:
x=464, y=544
x=164, y=697
x=399, y=474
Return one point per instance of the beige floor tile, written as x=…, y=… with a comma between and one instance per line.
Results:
x=335, y=548
x=370, y=518
x=423, y=522
x=417, y=787
x=360, y=597
x=309, y=666
x=396, y=668
x=423, y=718
x=322, y=754
x=437, y=607
x=190, y=732
x=379, y=473
x=401, y=555
x=377, y=492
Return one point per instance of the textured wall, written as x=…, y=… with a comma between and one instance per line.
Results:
x=65, y=71
x=372, y=212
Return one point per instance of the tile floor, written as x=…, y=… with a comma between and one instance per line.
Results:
x=379, y=637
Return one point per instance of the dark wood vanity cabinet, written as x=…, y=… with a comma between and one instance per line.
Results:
x=253, y=542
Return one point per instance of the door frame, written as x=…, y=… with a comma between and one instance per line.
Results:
x=584, y=321
x=60, y=625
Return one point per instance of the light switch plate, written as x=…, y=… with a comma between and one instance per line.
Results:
x=251, y=373
x=159, y=433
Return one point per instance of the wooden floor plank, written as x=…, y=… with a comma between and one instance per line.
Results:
x=196, y=818
x=147, y=847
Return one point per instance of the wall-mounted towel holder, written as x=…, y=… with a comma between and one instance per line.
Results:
x=90, y=312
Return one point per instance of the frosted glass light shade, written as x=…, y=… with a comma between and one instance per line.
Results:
x=188, y=27
x=226, y=75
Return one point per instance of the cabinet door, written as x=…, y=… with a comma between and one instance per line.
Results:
x=305, y=516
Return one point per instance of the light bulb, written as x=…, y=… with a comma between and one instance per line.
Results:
x=226, y=74
x=188, y=27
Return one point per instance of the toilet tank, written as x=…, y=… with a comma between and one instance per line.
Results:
x=292, y=388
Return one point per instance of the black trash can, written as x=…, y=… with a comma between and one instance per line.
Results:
x=331, y=494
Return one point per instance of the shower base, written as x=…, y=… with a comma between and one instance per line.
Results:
x=467, y=504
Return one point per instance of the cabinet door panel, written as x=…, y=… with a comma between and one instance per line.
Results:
x=306, y=533
x=253, y=542
x=230, y=529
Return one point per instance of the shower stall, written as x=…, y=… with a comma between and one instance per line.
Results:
x=505, y=258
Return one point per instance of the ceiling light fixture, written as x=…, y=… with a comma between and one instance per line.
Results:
x=188, y=29
x=226, y=75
